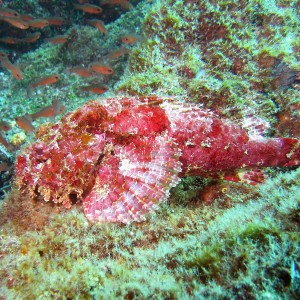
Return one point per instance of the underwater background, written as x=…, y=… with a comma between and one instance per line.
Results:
x=212, y=239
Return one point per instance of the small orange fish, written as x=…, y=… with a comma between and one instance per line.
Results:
x=9, y=40
x=15, y=21
x=95, y=88
x=4, y=166
x=30, y=38
x=83, y=72
x=24, y=122
x=98, y=24
x=117, y=53
x=45, y=112
x=56, y=21
x=3, y=55
x=38, y=23
x=59, y=39
x=49, y=111
x=98, y=67
x=129, y=39
x=4, y=126
x=57, y=108
x=7, y=12
x=45, y=81
x=5, y=143
x=123, y=3
x=26, y=18
x=13, y=68
x=89, y=8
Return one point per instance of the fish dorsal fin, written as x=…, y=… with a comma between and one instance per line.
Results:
x=250, y=121
x=254, y=124
x=133, y=180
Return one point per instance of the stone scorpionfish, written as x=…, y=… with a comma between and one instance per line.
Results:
x=121, y=156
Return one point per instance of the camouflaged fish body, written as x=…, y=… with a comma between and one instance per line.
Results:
x=122, y=156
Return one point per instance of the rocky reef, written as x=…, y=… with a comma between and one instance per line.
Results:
x=212, y=238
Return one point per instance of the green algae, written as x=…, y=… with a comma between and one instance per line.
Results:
x=234, y=57
x=194, y=251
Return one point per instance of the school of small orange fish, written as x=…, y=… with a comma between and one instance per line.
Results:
x=23, y=22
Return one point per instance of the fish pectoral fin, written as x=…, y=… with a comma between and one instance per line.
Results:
x=133, y=180
x=252, y=176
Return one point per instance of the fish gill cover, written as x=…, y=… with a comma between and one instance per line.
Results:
x=191, y=93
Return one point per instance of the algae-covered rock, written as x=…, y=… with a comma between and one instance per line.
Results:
x=213, y=239
x=223, y=54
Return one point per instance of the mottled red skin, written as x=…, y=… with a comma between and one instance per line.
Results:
x=122, y=156
x=210, y=144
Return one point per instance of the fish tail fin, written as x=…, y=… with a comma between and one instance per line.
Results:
x=29, y=91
